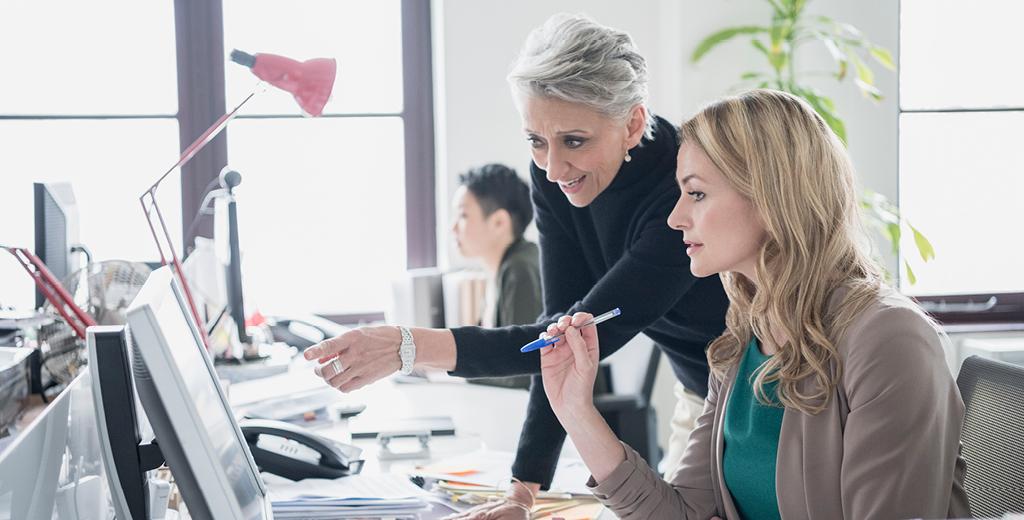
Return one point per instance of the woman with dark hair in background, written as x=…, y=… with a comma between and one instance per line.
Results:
x=492, y=210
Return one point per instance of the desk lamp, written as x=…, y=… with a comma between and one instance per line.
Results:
x=310, y=82
x=53, y=291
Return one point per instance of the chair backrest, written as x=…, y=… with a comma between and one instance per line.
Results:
x=993, y=435
x=634, y=366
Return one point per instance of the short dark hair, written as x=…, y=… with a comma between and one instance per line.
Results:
x=497, y=186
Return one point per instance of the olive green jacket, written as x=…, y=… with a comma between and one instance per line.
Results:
x=518, y=284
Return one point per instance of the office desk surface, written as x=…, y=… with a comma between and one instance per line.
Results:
x=484, y=416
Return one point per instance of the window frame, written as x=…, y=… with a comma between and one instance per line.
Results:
x=93, y=115
x=199, y=34
x=976, y=311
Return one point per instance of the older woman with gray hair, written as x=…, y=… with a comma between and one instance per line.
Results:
x=603, y=185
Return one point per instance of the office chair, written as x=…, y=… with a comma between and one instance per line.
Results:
x=625, y=401
x=993, y=435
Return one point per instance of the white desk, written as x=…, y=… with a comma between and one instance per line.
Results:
x=484, y=416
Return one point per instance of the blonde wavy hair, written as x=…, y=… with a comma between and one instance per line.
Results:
x=777, y=152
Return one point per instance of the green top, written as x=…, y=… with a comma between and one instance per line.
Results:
x=751, y=441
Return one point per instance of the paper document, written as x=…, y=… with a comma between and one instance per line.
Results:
x=300, y=408
x=494, y=469
x=379, y=486
x=355, y=496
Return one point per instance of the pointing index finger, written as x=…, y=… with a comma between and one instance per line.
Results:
x=327, y=348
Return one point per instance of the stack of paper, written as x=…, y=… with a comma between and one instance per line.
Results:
x=357, y=496
x=493, y=469
x=476, y=477
x=328, y=508
x=304, y=408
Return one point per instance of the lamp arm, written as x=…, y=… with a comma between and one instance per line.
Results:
x=213, y=131
x=152, y=209
x=54, y=292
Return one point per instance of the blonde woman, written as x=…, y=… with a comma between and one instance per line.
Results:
x=829, y=396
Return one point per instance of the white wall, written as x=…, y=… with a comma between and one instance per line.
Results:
x=475, y=41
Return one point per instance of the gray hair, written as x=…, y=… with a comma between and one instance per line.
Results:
x=576, y=59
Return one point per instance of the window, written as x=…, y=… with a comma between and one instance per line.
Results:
x=341, y=176
x=960, y=161
x=335, y=202
x=87, y=109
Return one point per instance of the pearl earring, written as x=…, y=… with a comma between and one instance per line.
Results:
x=628, y=157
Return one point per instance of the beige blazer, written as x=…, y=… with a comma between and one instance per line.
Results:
x=887, y=446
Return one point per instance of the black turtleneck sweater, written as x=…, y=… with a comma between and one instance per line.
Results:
x=616, y=252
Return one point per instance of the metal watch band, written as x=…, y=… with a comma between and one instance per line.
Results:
x=407, y=351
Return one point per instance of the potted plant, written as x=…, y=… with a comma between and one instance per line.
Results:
x=778, y=42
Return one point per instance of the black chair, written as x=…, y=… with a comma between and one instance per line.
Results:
x=993, y=435
x=625, y=401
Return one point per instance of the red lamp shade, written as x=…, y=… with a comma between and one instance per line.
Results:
x=309, y=81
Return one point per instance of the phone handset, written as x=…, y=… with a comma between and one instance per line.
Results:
x=295, y=453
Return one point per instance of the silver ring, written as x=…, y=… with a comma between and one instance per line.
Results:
x=336, y=365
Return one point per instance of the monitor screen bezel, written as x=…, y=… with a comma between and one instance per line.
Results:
x=155, y=352
x=116, y=481
x=30, y=466
x=62, y=195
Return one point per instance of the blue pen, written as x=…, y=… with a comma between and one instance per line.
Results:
x=545, y=342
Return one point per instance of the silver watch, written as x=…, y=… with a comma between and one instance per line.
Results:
x=407, y=351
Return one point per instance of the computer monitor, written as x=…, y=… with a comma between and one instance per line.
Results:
x=30, y=466
x=126, y=459
x=190, y=415
x=56, y=222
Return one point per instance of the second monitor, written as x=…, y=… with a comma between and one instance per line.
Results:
x=194, y=425
x=211, y=456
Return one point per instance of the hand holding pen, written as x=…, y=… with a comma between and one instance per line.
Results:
x=552, y=339
x=569, y=372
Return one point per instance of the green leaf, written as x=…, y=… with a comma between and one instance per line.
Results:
x=721, y=36
x=779, y=59
x=881, y=207
x=924, y=246
x=851, y=30
x=760, y=46
x=837, y=54
x=837, y=126
x=882, y=56
x=747, y=76
x=776, y=34
x=825, y=108
x=776, y=55
x=868, y=90
x=863, y=71
x=893, y=233
x=910, y=272
x=828, y=103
